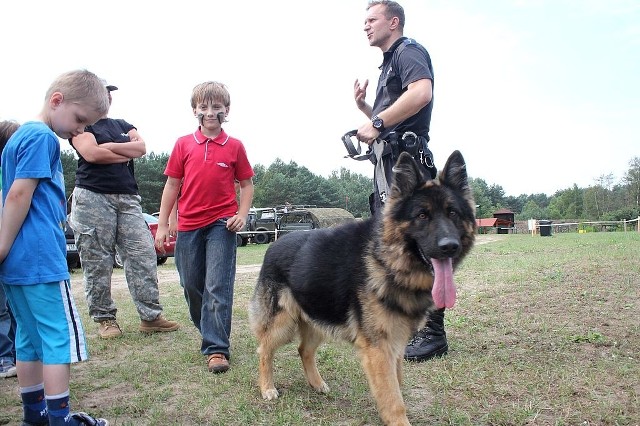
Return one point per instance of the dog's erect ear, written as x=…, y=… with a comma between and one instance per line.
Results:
x=407, y=176
x=454, y=173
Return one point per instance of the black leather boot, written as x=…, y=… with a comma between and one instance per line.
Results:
x=429, y=342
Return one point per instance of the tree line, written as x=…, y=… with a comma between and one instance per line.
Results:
x=281, y=183
x=604, y=200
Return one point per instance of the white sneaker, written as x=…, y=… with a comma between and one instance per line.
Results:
x=8, y=370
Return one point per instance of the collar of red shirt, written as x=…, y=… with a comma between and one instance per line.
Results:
x=221, y=139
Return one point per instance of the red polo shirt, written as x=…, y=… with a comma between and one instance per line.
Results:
x=208, y=169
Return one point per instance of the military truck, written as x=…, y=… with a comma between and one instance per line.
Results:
x=264, y=225
x=260, y=228
x=306, y=219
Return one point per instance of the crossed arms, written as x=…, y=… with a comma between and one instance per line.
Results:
x=109, y=152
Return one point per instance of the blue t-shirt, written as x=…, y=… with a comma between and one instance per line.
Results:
x=39, y=252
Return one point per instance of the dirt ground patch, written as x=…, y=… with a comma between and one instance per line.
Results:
x=118, y=280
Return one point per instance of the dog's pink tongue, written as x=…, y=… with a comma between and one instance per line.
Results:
x=444, y=289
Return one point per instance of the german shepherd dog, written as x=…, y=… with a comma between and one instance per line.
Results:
x=368, y=282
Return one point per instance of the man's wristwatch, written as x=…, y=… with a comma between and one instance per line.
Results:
x=378, y=124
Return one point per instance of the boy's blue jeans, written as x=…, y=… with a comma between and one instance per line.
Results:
x=206, y=262
x=7, y=331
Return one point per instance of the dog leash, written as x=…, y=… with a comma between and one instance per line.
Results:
x=353, y=151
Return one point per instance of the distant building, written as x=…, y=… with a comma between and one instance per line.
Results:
x=502, y=221
x=505, y=221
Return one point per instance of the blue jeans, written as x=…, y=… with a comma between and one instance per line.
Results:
x=7, y=331
x=206, y=262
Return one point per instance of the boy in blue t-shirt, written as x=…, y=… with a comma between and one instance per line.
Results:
x=33, y=266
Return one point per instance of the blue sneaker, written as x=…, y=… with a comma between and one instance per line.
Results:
x=85, y=419
x=7, y=369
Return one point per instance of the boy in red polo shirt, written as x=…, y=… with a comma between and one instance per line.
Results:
x=201, y=172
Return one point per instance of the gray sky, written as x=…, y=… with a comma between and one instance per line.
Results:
x=536, y=94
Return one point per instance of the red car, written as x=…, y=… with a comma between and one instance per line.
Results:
x=152, y=222
x=169, y=248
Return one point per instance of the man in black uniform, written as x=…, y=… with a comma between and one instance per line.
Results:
x=400, y=115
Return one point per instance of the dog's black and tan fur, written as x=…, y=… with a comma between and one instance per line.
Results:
x=368, y=282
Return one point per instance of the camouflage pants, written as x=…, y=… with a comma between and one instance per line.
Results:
x=101, y=222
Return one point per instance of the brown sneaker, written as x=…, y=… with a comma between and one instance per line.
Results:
x=158, y=325
x=217, y=363
x=108, y=329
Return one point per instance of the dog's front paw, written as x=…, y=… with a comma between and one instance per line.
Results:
x=270, y=394
x=322, y=388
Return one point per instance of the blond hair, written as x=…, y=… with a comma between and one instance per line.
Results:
x=210, y=92
x=82, y=87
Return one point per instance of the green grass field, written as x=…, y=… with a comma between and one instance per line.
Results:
x=545, y=331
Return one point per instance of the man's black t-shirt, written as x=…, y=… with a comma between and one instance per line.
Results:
x=107, y=178
x=405, y=62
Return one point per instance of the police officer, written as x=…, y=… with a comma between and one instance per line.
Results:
x=401, y=114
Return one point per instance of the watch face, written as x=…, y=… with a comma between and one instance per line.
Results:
x=377, y=123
